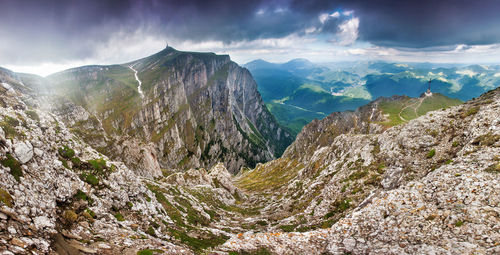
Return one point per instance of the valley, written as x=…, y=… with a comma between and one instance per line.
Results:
x=234, y=127
x=95, y=144
x=320, y=89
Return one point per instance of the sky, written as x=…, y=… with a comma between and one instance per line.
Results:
x=46, y=36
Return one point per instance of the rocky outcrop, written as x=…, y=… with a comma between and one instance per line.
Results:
x=427, y=186
x=349, y=184
x=198, y=109
x=58, y=195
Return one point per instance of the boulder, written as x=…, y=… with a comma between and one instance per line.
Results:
x=23, y=151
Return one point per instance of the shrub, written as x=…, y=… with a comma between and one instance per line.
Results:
x=70, y=216
x=340, y=206
x=149, y=252
x=431, y=153
x=494, y=168
x=459, y=223
x=5, y=198
x=150, y=231
x=98, y=165
x=472, y=111
x=145, y=252
x=66, y=152
x=119, y=217
x=91, y=213
x=81, y=195
x=90, y=179
x=76, y=161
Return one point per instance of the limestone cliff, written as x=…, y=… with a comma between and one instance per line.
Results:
x=196, y=109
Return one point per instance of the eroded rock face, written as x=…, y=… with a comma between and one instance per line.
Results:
x=198, y=109
x=51, y=196
x=429, y=186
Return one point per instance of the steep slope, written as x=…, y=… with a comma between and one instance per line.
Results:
x=198, y=109
x=350, y=184
x=57, y=194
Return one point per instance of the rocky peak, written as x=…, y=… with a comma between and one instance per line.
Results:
x=198, y=109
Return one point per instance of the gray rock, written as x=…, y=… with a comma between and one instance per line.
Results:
x=23, y=151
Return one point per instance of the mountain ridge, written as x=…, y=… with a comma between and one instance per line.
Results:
x=180, y=85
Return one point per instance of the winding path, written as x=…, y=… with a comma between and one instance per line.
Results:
x=138, y=81
x=415, y=106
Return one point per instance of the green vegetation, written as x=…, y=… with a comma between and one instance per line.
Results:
x=113, y=89
x=33, y=115
x=270, y=176
x=99, y=165
x=459, y=223
x=403, y=110
x=66, y=152
x=486, y=140
x=198, y=244
x=292, y=117
x=150, y=231
x=70, y=216
x=431, y=153
x=288, y=228
x=339, y=207
x=256, y=140
x=9, y=125
x=6, y=198
x=493, y=168
x=90, y=179
x=14, y=165
x=471, y=111
x=119, y=216
x=91, y=213
x=149, y=252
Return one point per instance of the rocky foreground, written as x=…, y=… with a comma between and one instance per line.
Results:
x=431, y=186
x=349, y=184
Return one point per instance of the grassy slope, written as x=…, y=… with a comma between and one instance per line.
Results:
x=112, y=88
x=395, y=109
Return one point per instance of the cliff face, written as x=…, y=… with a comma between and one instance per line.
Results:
x=60, y=196
x=196, y=109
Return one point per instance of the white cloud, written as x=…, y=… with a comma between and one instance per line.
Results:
x=310, y=30
x=348, y=32
x=348, y=13
x=335, y=15
x=467, y=72
x=323, y=18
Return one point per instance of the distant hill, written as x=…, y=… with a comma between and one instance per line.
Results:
x=320, y=89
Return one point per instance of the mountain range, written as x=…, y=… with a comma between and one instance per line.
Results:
x=299, y=91
x=192, y=110
x=177, y=153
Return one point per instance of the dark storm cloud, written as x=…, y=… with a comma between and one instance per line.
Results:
x=36, y=31
x=422, y=23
